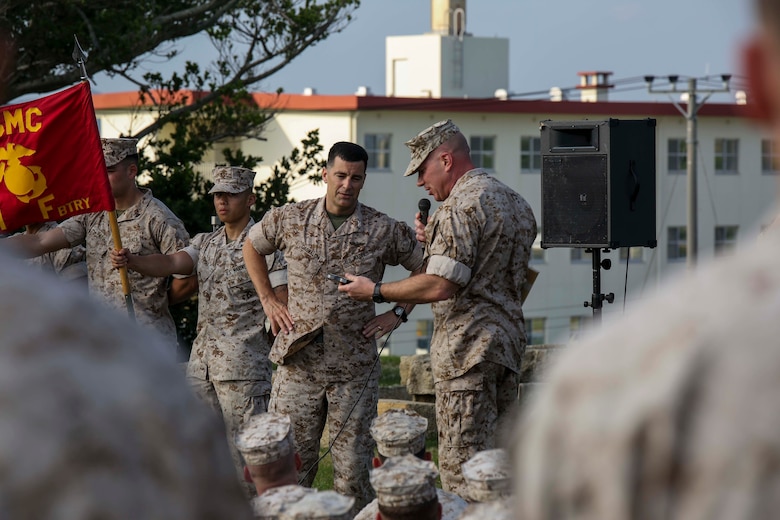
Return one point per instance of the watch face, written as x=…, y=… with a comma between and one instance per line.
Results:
x=398, y=311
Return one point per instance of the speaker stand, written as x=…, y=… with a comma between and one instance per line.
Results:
x=597, y=297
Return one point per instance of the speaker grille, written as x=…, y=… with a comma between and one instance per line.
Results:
x=574, y=201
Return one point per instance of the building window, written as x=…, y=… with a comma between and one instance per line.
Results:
x=378, y=148
x=726, y=155
x=632, y=254
x=677, y=158
x=577, y=325
x=725, y=239
x=483, y=152
x=676, y=243
x=535, y=331
x=530, y=154
x=424, y=333
x=768, y=157
x=579, y=255
x=537, y=253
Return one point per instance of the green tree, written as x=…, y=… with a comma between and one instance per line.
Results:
x=253, y=39
x=199, y=107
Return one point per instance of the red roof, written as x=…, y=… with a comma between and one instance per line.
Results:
x=340, y=103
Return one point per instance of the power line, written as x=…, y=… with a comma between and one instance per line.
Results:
x=693, y=90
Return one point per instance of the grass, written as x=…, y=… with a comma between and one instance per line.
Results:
x=391, y=372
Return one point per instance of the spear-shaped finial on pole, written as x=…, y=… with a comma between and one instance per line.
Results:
x=80, y=57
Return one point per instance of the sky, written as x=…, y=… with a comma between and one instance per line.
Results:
x=550, y=41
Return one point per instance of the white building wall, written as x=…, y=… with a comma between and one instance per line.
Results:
x=413, y=67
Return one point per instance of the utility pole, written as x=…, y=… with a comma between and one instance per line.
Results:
x=691, y=146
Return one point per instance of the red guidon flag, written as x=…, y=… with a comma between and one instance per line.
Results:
x=51, y=160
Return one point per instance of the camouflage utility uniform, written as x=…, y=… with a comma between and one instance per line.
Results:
x=68, y=264
x=480, y=238
x=326, y=361
x=146, y=228
x=229, y=366
x=101, y=423
x=670, y=411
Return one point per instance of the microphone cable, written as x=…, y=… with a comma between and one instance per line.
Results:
x=354, y=405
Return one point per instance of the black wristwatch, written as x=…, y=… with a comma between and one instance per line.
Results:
x=377, y=297
x=401, y=313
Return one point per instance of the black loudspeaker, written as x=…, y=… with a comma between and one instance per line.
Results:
x=598, y=183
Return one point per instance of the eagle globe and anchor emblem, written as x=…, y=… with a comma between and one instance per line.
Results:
x=25, y=182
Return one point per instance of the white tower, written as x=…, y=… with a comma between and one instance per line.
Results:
x=448, y=61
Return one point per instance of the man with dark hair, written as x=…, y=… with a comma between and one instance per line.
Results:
x=146, y=226
x=478, y=243
x=326, y=347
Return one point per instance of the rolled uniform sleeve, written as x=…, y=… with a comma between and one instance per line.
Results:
x=277, y=269
x=193, y=251
x=452, y=249
x=262, y=235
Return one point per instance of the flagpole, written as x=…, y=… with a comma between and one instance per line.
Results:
x=122, y=270
x=81, y=59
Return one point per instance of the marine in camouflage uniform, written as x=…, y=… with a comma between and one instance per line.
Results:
x=406, y=488
x=146, y=226
x=488, y=476
x=479, y=335
x=69, y=264
x=267, y=444
x=399, y=432
x=229, y=366
x=670, y=412
x=98, y=420
x=328, y=357
x=478, y=244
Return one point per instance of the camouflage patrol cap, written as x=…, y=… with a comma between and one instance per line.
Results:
x=399, y=432
x=427, y=141
x=232, y=179
x=487, y=475
x=404, y=481
x=265, y=438
x=320, y=505
x=116, y=149
x=270, y=504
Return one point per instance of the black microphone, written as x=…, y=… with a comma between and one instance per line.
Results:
x=424, y=205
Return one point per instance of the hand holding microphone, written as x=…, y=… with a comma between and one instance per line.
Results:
x=424, y=206
x=419, y=227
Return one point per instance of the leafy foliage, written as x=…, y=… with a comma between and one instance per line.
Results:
x=303, y=164
x=196, y=109
x=253, y=39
